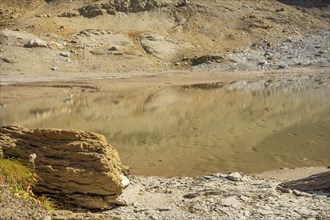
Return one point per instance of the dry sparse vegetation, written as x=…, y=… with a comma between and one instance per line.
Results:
x=15, y=175
x=19, y=179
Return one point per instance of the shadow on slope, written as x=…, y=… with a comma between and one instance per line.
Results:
x=307, y=3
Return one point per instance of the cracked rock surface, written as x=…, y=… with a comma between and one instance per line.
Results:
x=77, y=167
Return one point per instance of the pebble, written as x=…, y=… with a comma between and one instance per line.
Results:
x=47, y=218
x=244, y=198
x=235, y=176
x=282, y=66
x=265, y=212
x=164, y=209
x=299, y=193
x=65, y=54
x=262, y=63
x=36, y=43
x=231, y=201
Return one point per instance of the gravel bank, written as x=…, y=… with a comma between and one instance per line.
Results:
x=219, y=196
x=295, y=51
x=215, y=196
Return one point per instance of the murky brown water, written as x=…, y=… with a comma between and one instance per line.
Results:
x=187, y=131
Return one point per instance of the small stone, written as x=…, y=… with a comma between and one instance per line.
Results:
x=235, y=176
x=191, y=195
x=6, y=60
x=36, y=43
x=282, y=66
x=288, y=40
x=208, y=177
x=47, y=217
x=231, y=201
x=262, y=63
x=68, y=14
x=304, y=211
x=265, y=212
x=279, y=10
x=246, y=213
x=113, y=48
x=57, y=45
x=65, y=54
x=299, y=193
x=164, y=209
x=54, y=68
x=267, y=53
x=283, y=190
x=124, y=180
x=244, y=198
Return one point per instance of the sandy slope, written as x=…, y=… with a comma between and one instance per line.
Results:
x=157, y=38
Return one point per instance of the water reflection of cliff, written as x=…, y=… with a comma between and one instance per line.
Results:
x=193, y=130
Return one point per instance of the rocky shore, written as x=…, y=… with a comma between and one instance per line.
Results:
x=215, y=196
x=82, y=178
x=219, y=196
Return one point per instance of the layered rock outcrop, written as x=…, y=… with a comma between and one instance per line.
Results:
x=77, y=167
x=132, y=6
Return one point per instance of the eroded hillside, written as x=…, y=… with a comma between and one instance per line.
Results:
x=154, y=35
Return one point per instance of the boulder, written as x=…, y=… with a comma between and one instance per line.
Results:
x=77, y=167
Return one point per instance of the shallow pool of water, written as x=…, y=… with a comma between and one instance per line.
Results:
x=194, y=130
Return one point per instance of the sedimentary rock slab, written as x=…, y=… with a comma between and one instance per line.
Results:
x=79, y=167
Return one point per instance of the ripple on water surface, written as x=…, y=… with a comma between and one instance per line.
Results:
x=194, y=130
